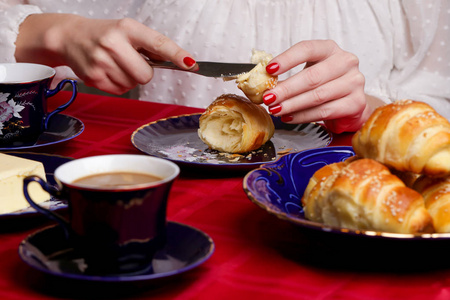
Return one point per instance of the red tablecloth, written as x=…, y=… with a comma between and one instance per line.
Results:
x=252, y=258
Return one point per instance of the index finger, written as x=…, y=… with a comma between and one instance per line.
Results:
x=304, y=52
x=160, y=45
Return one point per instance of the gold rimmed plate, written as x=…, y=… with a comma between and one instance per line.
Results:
x=278, y=187
x=177, y=139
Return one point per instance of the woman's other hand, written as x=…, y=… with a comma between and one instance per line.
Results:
x=330, y=88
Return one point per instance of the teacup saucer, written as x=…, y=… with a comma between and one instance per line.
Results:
x=61, y=128
x=47, y=250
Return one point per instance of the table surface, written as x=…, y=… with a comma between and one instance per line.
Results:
x=257, y=255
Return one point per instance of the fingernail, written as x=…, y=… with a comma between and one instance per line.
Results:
x=269, y=98
x=275, y=109
x=272, y=68
x=189, y=61
x=286, y=118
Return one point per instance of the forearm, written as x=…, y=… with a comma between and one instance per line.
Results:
x=40, y=38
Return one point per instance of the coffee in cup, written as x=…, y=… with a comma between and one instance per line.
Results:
x=24, y=90
x=117, y=227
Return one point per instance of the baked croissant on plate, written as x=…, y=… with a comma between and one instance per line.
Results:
x=257, y=81
x=436, y=193
x=362, y=194
x=408, y=136
x=234, y=124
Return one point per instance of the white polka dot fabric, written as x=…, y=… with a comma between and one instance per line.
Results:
x=403, y=46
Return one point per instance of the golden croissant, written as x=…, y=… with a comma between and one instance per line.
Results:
x=408, y=136
x=362, y=194
x=436, y=193
x=234, y=124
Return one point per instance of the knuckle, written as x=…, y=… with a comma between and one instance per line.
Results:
x=108, y=41
x=114, y=34
x=307, y=47
x=313, y=77
x=352, y=59
x=332, y=45
x=320, y=95
x=282, y=91
x=359, y=79
x=126, y=24
x=323, y=113
x=144, y=77
x=98, y=61
x=159, y=41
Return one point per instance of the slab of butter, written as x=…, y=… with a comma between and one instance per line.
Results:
x=12, y=172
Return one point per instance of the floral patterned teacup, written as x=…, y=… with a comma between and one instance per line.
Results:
x=24, y=89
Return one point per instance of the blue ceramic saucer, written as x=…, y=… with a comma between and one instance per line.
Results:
x=61, y=128
x=48, y=251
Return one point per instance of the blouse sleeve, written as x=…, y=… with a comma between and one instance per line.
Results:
x=11, y=16
x=421, y=51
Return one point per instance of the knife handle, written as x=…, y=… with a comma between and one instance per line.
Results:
x=164, y=65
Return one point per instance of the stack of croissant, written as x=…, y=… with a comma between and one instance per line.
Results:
x=399, y=179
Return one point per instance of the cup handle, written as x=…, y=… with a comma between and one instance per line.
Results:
x=53, y=192
x=50, y=93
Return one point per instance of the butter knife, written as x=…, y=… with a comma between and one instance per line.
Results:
x=207, y=68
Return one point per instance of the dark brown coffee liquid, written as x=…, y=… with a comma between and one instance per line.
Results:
x=116, y=179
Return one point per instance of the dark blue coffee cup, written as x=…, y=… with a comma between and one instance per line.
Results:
x=115, y=229
x=24, y=90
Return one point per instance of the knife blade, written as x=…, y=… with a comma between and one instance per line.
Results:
x=208, y=68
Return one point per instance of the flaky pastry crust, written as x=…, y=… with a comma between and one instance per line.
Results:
x=234, y=124
x=363, y=195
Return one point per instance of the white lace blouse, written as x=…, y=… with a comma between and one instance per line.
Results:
x=403, y=46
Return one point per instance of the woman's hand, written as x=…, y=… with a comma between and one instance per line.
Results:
x=105, y=54
x=330, y=88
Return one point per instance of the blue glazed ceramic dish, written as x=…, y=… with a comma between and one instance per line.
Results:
x=278, y=187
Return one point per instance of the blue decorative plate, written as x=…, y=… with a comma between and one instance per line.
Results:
x=48, y=251
x=278, y=187
x=61, y=128
x=50, y=162
x=177, y=139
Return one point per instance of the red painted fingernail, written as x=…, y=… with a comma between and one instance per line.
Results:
x=189, y=61
x=275, y=109
x=286, y=118
x=272, y=68
x=269, y=98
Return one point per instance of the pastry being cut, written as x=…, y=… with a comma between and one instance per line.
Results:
x=407, y=135
x=257, y=81
x=362, y=194
x=234, y=124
